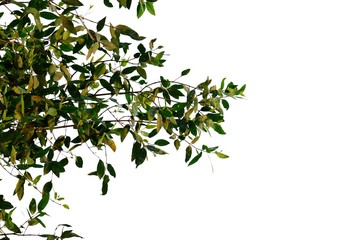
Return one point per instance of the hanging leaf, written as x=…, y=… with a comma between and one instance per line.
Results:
x=111, y=170
x=68, y=24
x=105, y=182
x=100, y=170
x=140, y=9
x=125, y=30
x=188, y=153
x=150, y=8
x=217, y=127
x=73, y=2
x=195, y=159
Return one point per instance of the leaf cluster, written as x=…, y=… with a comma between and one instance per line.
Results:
x=66, y=85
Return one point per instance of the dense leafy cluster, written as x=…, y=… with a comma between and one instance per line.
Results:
x=67, y=82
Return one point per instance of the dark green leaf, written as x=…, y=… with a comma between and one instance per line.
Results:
x=73, y=2
x=225, y=104
x=108, y=3
x=105, y=182
x=111, y=170
x=195, y=159
x=79, y=162
x=4, y=204
x=100, y=169
x=47, y=188
x=128, y=70
x=69, y=234
x=43, y=202
x=100, y=25
x=48, y=15
x=161, y=142
x=188, y=153
x=74, y=92
x=185, y=72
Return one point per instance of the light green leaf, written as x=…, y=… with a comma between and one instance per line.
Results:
x=221, y=155
x=150, y=7
x=140, y=9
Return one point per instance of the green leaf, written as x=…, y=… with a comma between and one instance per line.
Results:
x=124, y=132
x=128, y=70
x=185, y=72
x=177, y=144
x=32, y=206
x=111, y=170
x=108, y=3
x=47, y=188
x=19, y=189
x=4, y=204
x=105, y=182
x=79, y=162
x=52, y=112
x=69, y=234
x=100, y=170
x=43, y=202
x=217, y=127
x=140, y=9
x=222, y=84
x=138, y=154
x=125, y=30
x=156, y=150
x=100, y=25
x=242, y=90
x=195, y=159
x=36, y=16
x=221, y=155
x=188, y=153
x=225, y=104
x=49, y=15
x=68, y=24
x=73, y=2
x=150, y=7
x=162, y=142
x=141, y=71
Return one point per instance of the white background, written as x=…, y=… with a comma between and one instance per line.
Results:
x=294, y=143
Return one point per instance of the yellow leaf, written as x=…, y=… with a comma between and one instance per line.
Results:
x=16, y=90
x=36, y=98
x=57, y=76
x=111, y=144
x=13, y=155
x=159, y=122
x=66, y=73
x=92, y=49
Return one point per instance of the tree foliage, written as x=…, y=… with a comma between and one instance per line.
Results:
x=68, y=82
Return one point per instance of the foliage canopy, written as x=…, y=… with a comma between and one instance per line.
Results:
x=68, y=82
